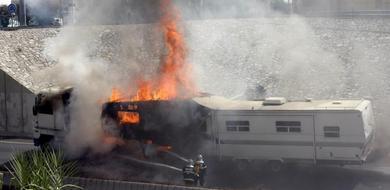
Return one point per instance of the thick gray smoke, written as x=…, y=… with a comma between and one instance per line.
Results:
x=43, y=12
x=280, y=54
x=289, y=56
x=5, y=2
x=94, y=59
x=293, y=57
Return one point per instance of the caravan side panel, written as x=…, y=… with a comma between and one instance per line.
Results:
x=260, y=136
x=339, y=136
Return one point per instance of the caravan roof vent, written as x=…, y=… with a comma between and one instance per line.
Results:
x=274, y=101
x=308, y=99
x=336, y=102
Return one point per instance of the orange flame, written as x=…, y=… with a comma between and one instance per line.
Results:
x=164, y=148
x=116, y=95
x=128, y=117
x=174, y=79
x=110, y=140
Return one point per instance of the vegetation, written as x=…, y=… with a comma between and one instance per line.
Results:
x=41, y=170
x=4, y=19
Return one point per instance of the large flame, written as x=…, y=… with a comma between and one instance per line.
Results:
x=174, y=77
x=128, y=118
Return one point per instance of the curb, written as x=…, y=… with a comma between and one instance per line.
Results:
x=97, y=184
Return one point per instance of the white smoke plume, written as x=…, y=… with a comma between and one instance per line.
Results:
x=94, y=59
x=285, y=54
x=294, y=57
x=89, y=78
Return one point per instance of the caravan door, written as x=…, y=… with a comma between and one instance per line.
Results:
x=339, y=137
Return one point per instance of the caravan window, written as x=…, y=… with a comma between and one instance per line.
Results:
x=288, y=123
x=332, y=131
x=295, y=129
x=229, y=128
x=236, y=123
x=281, y=129
x=242, y=126
x=288, y=126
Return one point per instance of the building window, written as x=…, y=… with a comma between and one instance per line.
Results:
x=332, y=131
x=242, y=126
x=281, y=129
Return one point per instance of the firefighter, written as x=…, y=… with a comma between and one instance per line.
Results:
x=200, y=170
x=189, y=175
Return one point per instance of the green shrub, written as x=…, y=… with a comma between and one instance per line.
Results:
x=41, y=170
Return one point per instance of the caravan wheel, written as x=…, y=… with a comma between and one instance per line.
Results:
x=242, y=164
x=46, y=142
x=275, y=165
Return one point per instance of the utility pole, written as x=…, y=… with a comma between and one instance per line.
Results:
x=22, y=13
x=201, y=9
x=291, y=2
x=68, y=11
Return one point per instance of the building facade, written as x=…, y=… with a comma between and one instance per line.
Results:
x=304, y=6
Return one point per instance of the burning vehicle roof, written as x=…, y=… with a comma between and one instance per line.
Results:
x=56, y=90
x=222, y=103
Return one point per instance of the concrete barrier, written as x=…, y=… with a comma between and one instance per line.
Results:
x=97, y=184
x=16, y=103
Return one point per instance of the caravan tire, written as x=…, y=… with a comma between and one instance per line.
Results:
x=275, y=165
x=46, y=142
x=242, y=165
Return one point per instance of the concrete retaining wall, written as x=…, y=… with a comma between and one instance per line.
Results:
x=15, y=108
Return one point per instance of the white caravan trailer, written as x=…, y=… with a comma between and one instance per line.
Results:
x=319, y=132
x=311, y=131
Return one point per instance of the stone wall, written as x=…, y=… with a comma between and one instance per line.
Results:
x=21, y=53
x=237, y=51
x=342, y=5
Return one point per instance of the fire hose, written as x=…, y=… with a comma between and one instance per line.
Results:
x=177, y=156
x=150, y=163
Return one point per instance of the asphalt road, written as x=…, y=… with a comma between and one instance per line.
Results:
x=9, y=146
x=370, y=176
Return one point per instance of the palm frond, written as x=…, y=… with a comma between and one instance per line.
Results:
x=41, y=170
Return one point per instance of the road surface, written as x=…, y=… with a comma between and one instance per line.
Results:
x=371, y=176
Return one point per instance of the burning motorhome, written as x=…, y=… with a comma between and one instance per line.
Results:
x=175, y=123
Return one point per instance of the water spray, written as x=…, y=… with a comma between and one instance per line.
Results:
x=156, y=164
x=177, y=156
